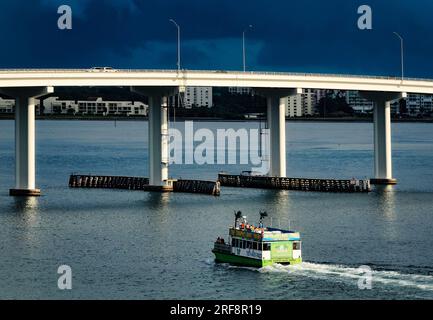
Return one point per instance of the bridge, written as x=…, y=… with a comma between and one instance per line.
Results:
x=26, y=85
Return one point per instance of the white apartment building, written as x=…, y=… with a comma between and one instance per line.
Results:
x=240, y=90
x=94, y=106
x=416, y=103
x=310, y=101
x=419, y=104
x=294, y=106
x=198, y=97
x=320, y=93
x=7, y=105
x=358, y=104
x=301, y=105
x=193, y=97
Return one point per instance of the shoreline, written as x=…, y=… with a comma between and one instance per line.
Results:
x=210, y=119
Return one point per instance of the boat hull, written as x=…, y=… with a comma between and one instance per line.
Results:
x=248, y=262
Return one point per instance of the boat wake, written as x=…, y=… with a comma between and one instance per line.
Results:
x=346, y=273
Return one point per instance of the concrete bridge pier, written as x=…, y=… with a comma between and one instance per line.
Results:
x=158, y=133
x=276, y=119
x=25, y=166
x=382, y=135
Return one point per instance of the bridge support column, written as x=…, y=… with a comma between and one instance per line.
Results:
x=25, y=166
x=276, y=119
x=382, y=135
x=158, y=144
x=158, y=133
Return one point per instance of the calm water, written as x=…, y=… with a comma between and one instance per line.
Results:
x=138, y=245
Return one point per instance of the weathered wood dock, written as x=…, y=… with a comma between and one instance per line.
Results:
x=300, y=184
x=141, y=183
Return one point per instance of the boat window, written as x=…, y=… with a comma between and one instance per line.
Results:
x=296, y=246
x=233, y=242
x=255, y=245
x=266, y=246
x=249, y=244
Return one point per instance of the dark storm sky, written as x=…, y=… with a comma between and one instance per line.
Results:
x=302, y=36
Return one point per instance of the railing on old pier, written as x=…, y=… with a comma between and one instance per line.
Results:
x=140, y=183
x=301, y=184
x=197, y=186
x=108, y=182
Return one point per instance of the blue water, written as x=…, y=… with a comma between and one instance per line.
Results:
x=137, y=245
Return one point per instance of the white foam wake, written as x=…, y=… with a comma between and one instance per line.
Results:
x=345, y=273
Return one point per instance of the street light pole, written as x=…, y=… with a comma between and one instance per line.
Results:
x=178, y=65
x=243, y=45
x=178, y=43
x=402, y=54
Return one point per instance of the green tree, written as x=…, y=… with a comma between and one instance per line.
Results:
x=334, y=104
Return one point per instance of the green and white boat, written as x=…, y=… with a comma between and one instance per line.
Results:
x=258, y=246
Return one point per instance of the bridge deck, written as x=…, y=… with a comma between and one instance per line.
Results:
x=215, y=78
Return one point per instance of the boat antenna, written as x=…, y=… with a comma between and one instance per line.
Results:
x=260, y=140
x=263, y=214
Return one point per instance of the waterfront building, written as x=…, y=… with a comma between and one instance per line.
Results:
x=241, y=90
x=7, y=106
x=94, y=106
x=320, y=93
x=193, y=97
x=395, y=107
x=418, y=104
x=198, y=97
x=294, y=106
x=301, y=105
x=358, y=104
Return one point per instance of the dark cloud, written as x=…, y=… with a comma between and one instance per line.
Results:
x=305, y=36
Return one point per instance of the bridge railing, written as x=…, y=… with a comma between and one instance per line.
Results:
x=185, y=71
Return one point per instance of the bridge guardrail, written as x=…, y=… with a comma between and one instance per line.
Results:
x=219, y=71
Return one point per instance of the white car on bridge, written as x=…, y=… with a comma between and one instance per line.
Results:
x=102, y=69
